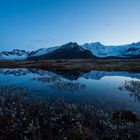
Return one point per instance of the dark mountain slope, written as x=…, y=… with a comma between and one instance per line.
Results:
x=67, y=51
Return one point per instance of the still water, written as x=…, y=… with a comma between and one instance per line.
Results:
x=107, y=89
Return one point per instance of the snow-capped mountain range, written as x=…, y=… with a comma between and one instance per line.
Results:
x=74, y=51
x=124, y=51
x=14, y=55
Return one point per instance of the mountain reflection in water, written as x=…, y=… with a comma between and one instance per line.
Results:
x=57, y=82
x=96, y=87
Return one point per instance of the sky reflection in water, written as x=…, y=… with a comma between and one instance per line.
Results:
x=108, y=89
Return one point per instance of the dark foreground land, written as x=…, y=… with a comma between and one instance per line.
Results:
x=26, y=118
x=131, y=65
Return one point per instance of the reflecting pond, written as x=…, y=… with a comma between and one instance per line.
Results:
x=107, y=89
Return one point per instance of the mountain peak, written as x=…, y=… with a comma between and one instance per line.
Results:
x=97, y=44
x=94, y=44
x=137, y=43
x=71, y=44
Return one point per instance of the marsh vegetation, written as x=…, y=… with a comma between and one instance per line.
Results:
x=77, y=65
x=34, y=118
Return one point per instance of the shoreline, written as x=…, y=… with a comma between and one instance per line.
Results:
x=82, y=65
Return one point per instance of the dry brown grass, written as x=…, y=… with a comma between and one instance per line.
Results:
x=131, y=65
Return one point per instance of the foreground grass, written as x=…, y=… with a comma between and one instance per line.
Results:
x=24, y=118
x=82, y=65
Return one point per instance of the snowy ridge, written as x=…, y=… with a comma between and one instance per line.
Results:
x=96, y=49
x=14, y=55
x=124, y=51
x=100, y=50
x=42, y=51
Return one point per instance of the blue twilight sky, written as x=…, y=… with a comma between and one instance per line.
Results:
x=33, y=24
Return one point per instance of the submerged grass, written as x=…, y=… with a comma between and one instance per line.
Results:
x=133, y=88
x=58, y=83
x=24, y=118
